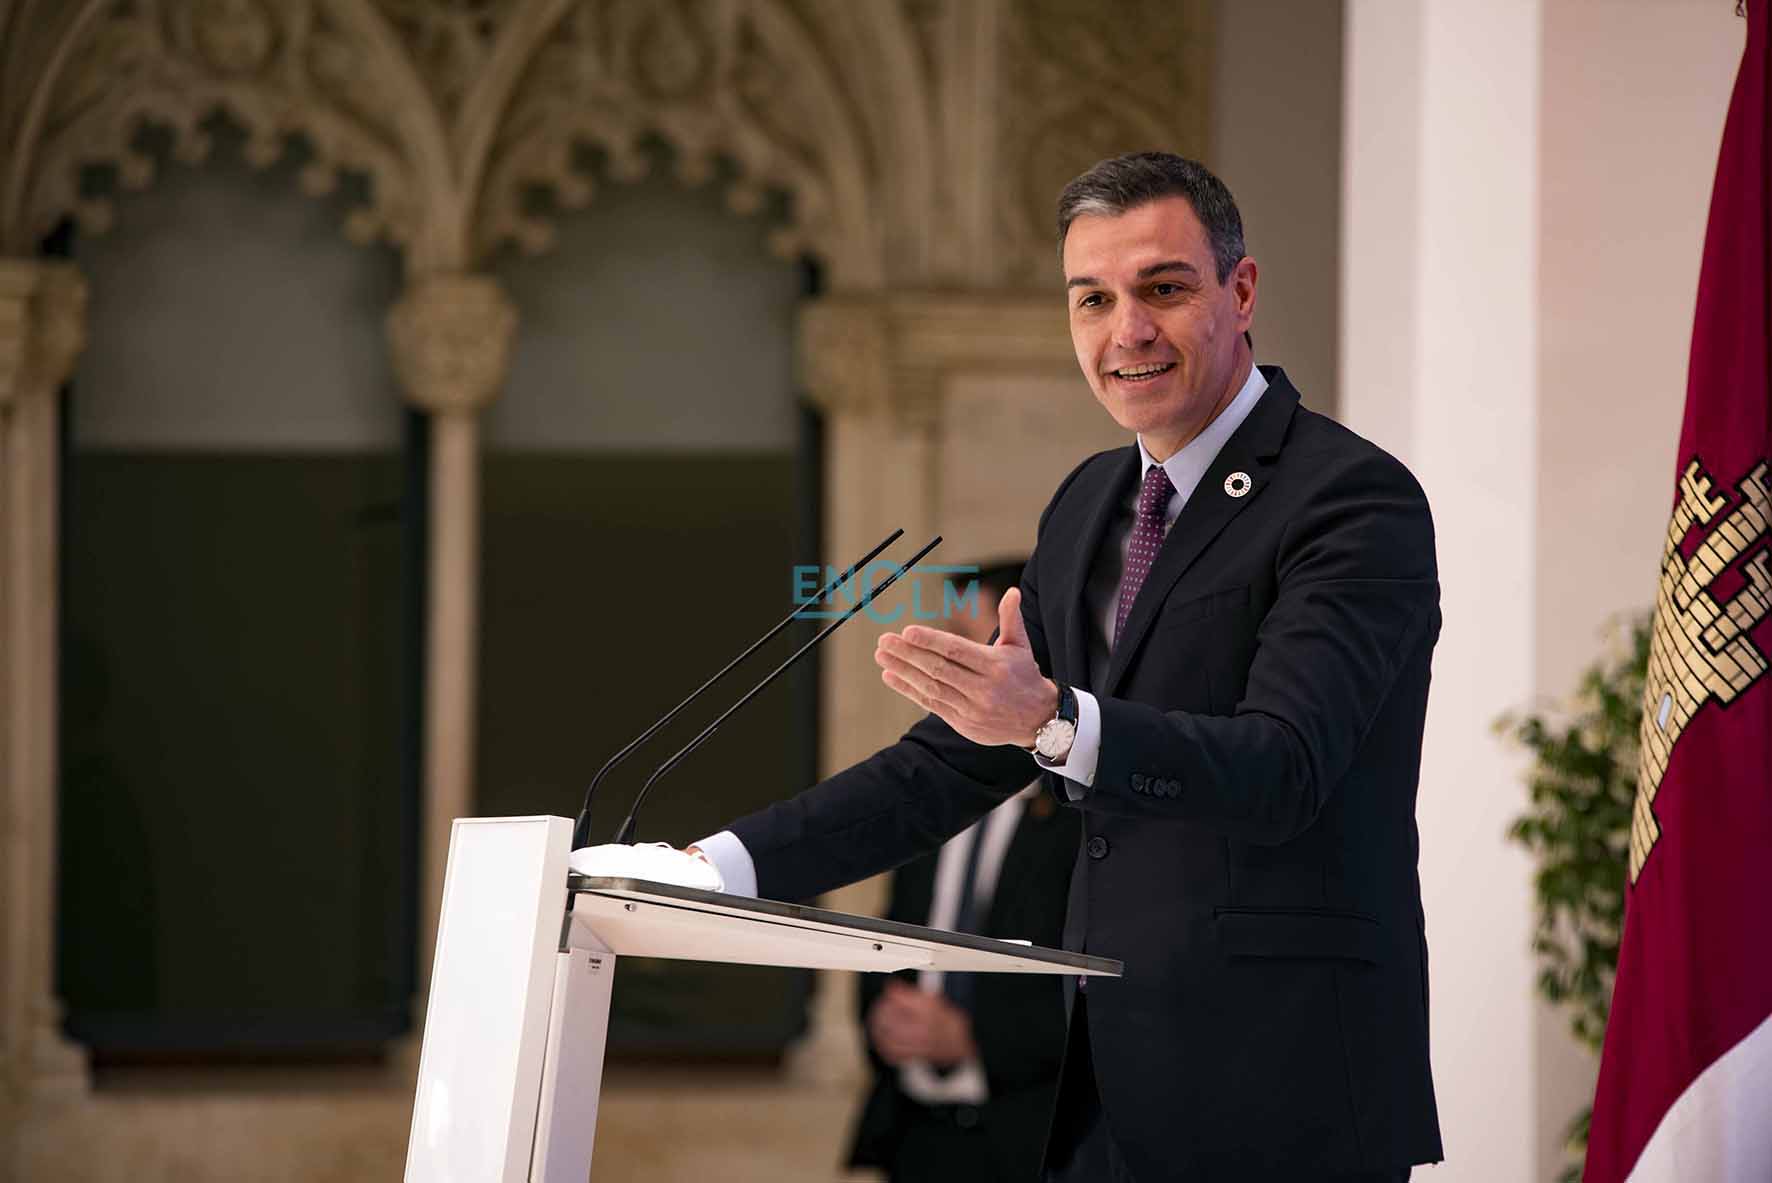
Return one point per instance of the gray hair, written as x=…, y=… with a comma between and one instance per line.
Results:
x=1114, y=186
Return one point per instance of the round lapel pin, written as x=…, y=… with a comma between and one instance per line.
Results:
x=1238, y=484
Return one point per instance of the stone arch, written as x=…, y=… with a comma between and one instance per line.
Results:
x=274, y=69
x=751, y=82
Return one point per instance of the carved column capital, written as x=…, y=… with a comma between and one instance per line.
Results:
x=845, y=355
x=895, y=352
x=42, y=326
x=451, y=338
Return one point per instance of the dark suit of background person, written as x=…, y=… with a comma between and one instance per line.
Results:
x=1018, y=1025
x=1249, y=841
x=988, y=1121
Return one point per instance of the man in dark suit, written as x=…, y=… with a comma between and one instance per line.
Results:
x=966, y=1065
x=1219, y=654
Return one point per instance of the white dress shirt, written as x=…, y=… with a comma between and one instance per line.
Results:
x=965, y=1084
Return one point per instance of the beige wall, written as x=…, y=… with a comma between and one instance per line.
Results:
x=1439, y=320
x=1632, y=113
x=1276, y=141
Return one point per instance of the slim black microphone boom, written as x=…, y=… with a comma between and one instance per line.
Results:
x=626, y=833
x=581, y=830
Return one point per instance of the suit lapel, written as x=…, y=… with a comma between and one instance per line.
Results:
x=1252, y=449
x=1123, y=473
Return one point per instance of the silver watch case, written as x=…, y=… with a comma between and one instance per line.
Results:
x=1054, y=739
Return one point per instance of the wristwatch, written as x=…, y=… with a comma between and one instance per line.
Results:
x=1054, y=739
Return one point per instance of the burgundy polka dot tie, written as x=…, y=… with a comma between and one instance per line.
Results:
x=1147, y=539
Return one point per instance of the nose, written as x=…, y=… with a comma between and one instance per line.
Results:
x=1133, y=326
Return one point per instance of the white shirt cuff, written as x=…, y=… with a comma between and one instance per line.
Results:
x=1079, y=766
x=733, y=862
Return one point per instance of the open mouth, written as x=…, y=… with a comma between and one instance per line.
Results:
x=1142, y=373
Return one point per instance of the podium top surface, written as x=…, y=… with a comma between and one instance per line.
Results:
x=939, y=949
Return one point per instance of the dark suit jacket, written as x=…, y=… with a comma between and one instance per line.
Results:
x=1249, y=842
x=1018, y=1020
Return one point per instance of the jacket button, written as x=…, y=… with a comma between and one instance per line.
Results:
x=966, y=1117
x=1098, y=847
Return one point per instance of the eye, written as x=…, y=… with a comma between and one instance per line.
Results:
x=1091, y=300
x=1165, y=289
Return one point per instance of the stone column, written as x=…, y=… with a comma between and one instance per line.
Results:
x=42, y=329
x=946, y=412
x=1439, y=338
x=451, y=338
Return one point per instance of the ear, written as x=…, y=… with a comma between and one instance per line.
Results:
x=1242, y=281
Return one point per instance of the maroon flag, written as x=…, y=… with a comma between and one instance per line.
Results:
x=1685, y=1087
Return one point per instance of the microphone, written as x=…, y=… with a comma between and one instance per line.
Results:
x=626, y=833
x=581, y=830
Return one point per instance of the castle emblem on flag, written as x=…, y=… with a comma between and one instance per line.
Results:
x=1700, y=650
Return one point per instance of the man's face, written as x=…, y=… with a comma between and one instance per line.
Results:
x=1158, y=337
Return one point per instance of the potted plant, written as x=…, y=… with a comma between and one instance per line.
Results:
x=1581, y=788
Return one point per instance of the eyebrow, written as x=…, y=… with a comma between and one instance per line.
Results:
x=1167, y=265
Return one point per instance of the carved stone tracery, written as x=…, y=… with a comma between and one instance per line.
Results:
x=1080, y=86
x=712, y=79
x=460, y=112
x=450, y=41
x=276, y=69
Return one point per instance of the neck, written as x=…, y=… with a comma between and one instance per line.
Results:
x=1162, y=445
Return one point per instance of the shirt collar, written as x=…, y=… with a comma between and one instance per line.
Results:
x=1189, y=465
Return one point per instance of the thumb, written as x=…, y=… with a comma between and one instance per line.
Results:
x=1010, y=630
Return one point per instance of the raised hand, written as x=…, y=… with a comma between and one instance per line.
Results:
x=991, y=694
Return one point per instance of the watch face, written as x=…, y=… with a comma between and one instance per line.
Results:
x=1055, y=737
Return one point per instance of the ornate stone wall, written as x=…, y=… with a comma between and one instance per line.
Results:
x=918, y=143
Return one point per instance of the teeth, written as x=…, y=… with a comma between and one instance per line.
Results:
x=1143, y=371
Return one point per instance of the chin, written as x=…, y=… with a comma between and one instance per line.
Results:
x=1133, y=418
x=1126, y=422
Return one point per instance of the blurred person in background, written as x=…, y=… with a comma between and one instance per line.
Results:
x=966, y=1065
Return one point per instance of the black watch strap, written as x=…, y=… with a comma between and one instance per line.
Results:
x=1067, y=704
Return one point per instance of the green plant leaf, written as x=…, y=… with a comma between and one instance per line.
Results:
x=1580, y=790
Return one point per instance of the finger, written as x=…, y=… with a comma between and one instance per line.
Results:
x=904, y=1036
x=923, y=689
x=896, y=1051
x=904, y=688
x=892, y=1006
x=968, y=655
x=1011, y=630
x=932, y=664
x=955, y=717
x=920, y=1004
x=884, y=1034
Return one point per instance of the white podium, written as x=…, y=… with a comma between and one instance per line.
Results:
x=512, y=1061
